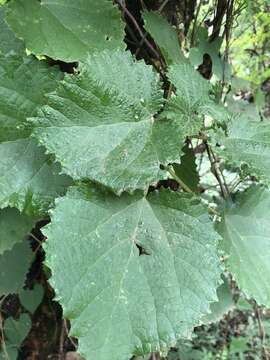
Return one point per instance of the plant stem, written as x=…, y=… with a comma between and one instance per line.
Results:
x=180, y=182
x=265, y=355
x=217, y=172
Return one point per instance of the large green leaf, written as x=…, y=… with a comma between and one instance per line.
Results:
x=133, y=274
x=247, y=142
x=29, y=179
x=14, y=265
x=13, y=228
x=165, y=36
x=9, y=44
x=246, y=241
x=64, y=29
x=101, y=127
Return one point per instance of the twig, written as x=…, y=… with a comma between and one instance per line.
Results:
x=180, y=182
x=217, y=172
x=265, y=355
x=134, y=21
x=162, y=6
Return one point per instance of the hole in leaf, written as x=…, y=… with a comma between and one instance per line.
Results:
x=142, y=250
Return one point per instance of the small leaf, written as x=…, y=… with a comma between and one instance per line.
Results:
x=31, y=299
x=246, y=241
x=106, y=131
x=161, y=262
x=64, y=29
x=13, y=228
x=187, y=169
x=17, y=330
x=14, y=265
x=165, y=36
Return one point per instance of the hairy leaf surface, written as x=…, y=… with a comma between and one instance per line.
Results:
x=29, y=180
x=13, y=228
x=101, y=127
x=246, y=240
x=133, y=274
x=64, y=29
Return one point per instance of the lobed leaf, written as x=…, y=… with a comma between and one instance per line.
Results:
x=133, y=274
x=100, y=124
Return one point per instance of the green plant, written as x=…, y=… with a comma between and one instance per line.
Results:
x=111, y=155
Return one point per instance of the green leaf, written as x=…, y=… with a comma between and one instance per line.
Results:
x=161, y=263
x=224, y=304
x=9, y=44
x=192, y=89
x=14, y=265
x=29, y=180
x=165, y=36
x=101, y=127
x=192, y=95
x=213, y=50
x=13, y=228
x=245, y=229
x=17, y=330
x=187, y=169
x=247, y=143
x=31, y=299
x=64, y=29
x=24, y=81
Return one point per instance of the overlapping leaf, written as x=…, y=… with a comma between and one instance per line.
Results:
x=64, y=29
x=13, y=228
x=246, y=241
x=28, y=178
x=165, y=36
x=247, y=142
x=132, y=273
x=100, y=124
x=14, y=265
